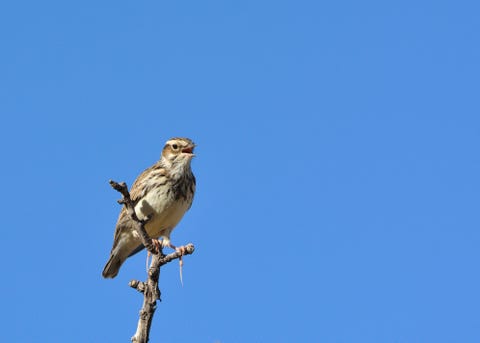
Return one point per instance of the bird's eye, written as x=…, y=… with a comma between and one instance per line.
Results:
x=174, y=146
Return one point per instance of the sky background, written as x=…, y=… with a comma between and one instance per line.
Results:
x=337, y=168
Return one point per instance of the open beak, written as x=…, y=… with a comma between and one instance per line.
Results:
x=188, y=149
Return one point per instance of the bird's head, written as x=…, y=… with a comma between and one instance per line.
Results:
x=178, y=151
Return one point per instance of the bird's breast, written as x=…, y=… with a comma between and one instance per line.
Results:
x=163, y=210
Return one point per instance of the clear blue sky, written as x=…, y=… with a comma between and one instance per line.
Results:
x=337, y=166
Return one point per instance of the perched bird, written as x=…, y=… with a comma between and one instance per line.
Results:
x=162, y=193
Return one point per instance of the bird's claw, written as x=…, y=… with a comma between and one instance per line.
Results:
x=158, y=247
x=182, y=250
x=158, y=244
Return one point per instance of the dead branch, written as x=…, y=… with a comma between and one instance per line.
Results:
x=149, y=288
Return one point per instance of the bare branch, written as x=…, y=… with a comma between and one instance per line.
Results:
x=151, y=292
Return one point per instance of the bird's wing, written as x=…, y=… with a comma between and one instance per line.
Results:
x=193, y=187
x=140, y=187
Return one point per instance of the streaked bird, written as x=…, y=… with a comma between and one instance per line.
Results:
x=162, y=193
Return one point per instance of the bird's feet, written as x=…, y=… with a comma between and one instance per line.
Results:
x=181, y=249
x=158, y=246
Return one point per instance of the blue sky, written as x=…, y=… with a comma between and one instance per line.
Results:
x=337, y=167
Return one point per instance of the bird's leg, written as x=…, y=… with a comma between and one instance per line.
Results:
x=158, y=245
x=181, y=250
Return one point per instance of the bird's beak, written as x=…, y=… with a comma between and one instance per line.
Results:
x=189, y=150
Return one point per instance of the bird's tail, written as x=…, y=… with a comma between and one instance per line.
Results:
x=113, y=266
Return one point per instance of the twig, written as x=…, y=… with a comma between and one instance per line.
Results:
x=150, y=290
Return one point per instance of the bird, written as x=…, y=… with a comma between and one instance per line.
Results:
x=161, y=194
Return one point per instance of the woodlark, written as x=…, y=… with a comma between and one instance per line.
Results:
x=162, y=193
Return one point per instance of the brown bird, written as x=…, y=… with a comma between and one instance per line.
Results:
x=163, y=193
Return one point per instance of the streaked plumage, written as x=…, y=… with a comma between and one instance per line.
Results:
x=164, y=192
